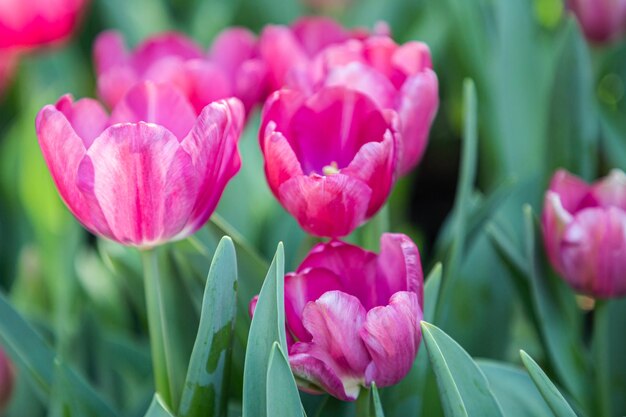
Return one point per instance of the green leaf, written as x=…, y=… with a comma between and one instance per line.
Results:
x=514, y=390
x=463, y=389
x=206, y=385
x=376, y=408
x=548, y=390
x=462, y=200
x=36, y=361
x=283, y=399
x=158, y=408
x=552, y=302
x=268, y=326
x=431, y=292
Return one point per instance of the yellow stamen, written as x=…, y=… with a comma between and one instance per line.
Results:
x=331, y=169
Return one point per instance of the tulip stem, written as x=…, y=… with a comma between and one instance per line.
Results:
x=600, y=351
x=363, y=403
x=157, y=322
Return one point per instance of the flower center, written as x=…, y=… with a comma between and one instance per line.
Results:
x=331, y=169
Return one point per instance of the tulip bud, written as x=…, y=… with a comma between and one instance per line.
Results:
x=601, y=20
x=584, y=229
x=352, y=316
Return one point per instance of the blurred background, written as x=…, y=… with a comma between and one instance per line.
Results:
x=547, y=98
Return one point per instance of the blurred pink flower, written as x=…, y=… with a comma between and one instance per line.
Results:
x=151, y=172
x=584, y=228
x=31, y=23
x=290, y=49
x=230, y=68
x=398, y=77
x=8, y=61
x=330, y=158
x=601, y=20
x=353, y=316
x=7, y=377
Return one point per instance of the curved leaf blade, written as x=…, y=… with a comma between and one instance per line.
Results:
x=463, y=388
x=282, y=397
x=207, y=376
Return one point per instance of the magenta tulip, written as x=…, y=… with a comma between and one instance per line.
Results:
x=584, y=228
x=330, y=158
x=150, y=172
x=7, y=377
x=31, y=23
x=353, y=316
x=289, y=50
x=230, y=68
x=601, y=20
x=398, y=77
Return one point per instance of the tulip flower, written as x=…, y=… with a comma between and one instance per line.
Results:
x=398, y=77
x=601, y=20
x=8, y=61
x=31, y=23
x=230, y=68
x=289, y=50
x=330, y=158
x=353, y=316
x=150, y=172
x=584, y=228
x=6, y=380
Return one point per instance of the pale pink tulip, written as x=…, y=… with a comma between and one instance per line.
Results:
x=601, y=20
x=150, y=172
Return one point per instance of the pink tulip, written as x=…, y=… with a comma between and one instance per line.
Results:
x=30, y=23
x=601, y=20
x=150, y=172
x=7, y=377
x=584, y=228
x=290, y=50
x=330, y=158
x=230, y=68
x=353, y=316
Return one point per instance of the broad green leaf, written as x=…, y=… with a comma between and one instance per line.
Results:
x=283, y=399
x=463, y=389
x=514, y=390
x=206, y=385
x=158, y=408
x=35, y=360
x=548, y=390
x=552, y=302
x=431, y=292
x=268, y=326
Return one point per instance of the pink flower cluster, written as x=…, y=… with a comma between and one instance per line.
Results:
x=346, y=112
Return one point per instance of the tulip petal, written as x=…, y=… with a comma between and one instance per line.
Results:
x=412, y=58
x=326, y=205
x=232, y=47
x=281, y=163
x=212, y=145
x=392, y=337
x=279, y=109
x=280, y=49
x=611, y=190
x=316, y=33
x=360, y=77
x=554, y=220
x=302, y=288
x=161, y=104
x=163, y=46
x=417, y=109
x=63, y=151
x=207, y=83
x=374, y=164
x=593, y=252
x=87, y=117
x=571, y=190
x=399, y=268
x=143, y=181
x=109, y=51
x=334, y=321
x=354, y=267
